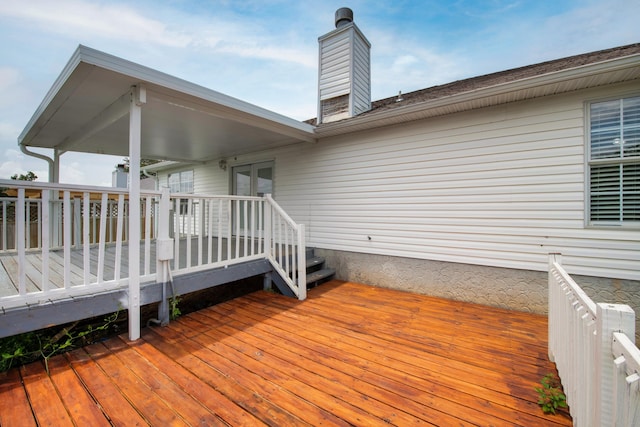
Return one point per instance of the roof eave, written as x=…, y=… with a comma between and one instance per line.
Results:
x=522, y=89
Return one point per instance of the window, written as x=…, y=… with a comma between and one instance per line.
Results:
x=181, y=182
x=614, y=162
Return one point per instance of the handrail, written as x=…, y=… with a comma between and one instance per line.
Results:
x=593, y=347
x=286, y=235
x=280, y=211
x=59, y=187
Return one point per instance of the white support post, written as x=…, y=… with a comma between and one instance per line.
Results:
x=610, y=318
x=138, y=98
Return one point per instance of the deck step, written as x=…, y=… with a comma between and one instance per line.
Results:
x=316, y=277
x=314, y=261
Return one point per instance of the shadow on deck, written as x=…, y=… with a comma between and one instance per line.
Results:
x=349, y=355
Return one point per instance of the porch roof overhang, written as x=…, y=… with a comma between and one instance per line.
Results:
x=86, y=110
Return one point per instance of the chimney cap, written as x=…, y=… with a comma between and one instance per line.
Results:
x=344, y=16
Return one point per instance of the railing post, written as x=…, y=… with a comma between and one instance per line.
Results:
x=553, y=305
x=302, y=264
x=164, y=252
x=268, y=224
x=610, y=318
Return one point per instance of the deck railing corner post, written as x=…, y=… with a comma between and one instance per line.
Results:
x=610, y=318
x=554, y=257
x=302, y=264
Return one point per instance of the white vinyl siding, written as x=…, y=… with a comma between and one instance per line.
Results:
x=361, y=86
x=500, y=186
x=335, y=66
x=614, y=164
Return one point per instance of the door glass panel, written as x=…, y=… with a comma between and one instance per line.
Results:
x=250, y=180
x=264, y=181
x=242, y=181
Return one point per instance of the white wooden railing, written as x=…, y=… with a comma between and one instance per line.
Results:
x=43, y=224
x=593, y=346
x=50, y=223
x=217, y=231
x=286, y=247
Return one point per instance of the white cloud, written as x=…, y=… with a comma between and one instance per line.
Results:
x=79, y=18
x=15, y=162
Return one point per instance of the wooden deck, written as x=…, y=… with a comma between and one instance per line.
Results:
x=349, y=355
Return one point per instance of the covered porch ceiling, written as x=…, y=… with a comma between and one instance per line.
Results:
x=87, y=110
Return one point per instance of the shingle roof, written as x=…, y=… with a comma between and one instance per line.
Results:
x=493, y=79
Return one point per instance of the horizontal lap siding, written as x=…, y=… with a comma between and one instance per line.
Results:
x=361, y=84
x=501, y=186
x=335, y=67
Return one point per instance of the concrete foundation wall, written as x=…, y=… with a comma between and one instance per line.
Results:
x=521, y=290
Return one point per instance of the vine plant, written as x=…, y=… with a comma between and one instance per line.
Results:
x=30, y=346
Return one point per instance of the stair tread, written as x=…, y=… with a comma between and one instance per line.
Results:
x=313, y=261
x=320, y=274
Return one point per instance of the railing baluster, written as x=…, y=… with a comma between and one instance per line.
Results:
x=104, y=206
x=45, y=240
x=20, y=244
x=67, y=242
x=86, y=247
x=245, y=214
x=189, y=226
x=39, y=222
x=220, y=235
x=210, y=231
x=147, y=235
x=237, y=227
x=253, y=227
x=119, y=227
x=200, y=228
x=27, y=228
x=4, y=226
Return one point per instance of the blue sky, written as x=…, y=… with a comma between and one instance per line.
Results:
x=265, y=52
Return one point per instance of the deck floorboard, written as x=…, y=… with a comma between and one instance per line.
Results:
x=349, y=355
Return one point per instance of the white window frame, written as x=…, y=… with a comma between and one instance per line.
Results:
x=181, y=180
x=589, y=163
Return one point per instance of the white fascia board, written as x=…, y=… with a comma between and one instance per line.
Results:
x=584, y=71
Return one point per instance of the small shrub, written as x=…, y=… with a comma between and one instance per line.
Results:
x=550, y=395
x=174, y=310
